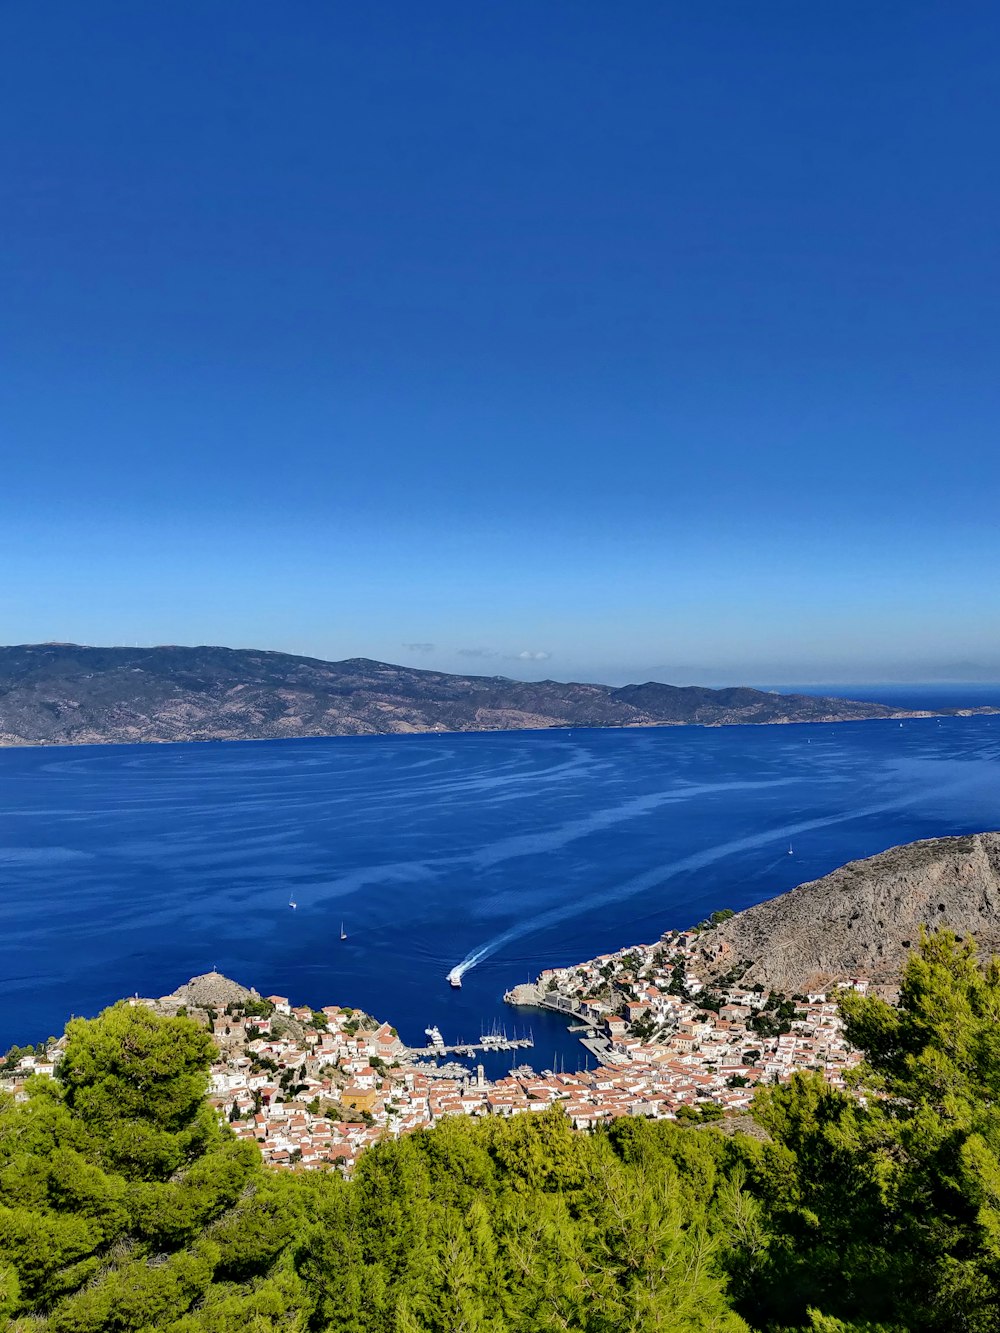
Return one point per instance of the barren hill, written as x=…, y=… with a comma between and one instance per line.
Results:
x=69, y=694
x=861, y=920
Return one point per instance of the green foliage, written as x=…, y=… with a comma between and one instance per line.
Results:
x=702, y=1114
x=821, y=1323
x=523, y=1225
x=891, y=1214
x=132, y=1065
x=17, y=1053
x=126, y=1207
x=775, y=1018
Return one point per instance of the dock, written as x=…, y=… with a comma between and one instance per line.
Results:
x=488, y=1042
x=602, y=1051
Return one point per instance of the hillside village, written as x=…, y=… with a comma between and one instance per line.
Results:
x=314, y=1087
x=651, y=1015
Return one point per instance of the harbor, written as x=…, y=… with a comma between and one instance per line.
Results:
x=496, y=1040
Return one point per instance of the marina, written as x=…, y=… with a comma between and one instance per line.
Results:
x=495, y=1040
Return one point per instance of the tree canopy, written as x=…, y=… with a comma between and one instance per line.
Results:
x=126, y=1206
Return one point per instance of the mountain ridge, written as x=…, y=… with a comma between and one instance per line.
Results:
x=61, y=693
x=863, y=919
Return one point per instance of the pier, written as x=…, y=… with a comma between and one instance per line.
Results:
x=473, y=1048
x=489, y=1041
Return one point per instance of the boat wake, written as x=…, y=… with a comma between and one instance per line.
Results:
x=459, y=970
x=661, y=875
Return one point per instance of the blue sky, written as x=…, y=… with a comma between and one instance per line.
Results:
x=564, y=339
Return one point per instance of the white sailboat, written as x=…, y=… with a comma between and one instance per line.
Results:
x=343, y=932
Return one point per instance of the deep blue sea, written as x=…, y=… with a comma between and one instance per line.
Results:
x=130, y=868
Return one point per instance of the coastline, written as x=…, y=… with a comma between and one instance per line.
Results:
x=182, y=904
x=901, y=715
x=315, y=1087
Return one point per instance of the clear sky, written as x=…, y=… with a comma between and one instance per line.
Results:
x=565, y=338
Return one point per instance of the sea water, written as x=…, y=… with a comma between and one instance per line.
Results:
x=127, y=869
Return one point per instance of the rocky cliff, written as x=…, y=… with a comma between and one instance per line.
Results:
x=68, y=694
x=863, y=919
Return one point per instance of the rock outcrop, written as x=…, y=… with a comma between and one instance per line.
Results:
x=211, y=990
x=863, y=919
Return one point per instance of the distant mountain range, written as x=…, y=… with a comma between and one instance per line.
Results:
x=64, y=693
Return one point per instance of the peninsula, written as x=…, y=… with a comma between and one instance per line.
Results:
x=66, y=694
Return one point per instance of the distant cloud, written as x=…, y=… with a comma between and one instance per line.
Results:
x=531, y=657
x=419, y=647
x=476, y=652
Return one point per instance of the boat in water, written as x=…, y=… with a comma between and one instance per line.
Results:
x=292, y=903
x=343, y=932
x=455, y=978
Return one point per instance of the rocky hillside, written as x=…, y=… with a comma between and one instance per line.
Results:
x=68, y=694
x=210, y=990
x=861, y=920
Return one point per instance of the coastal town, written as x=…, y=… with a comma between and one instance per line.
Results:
x=315, y=1087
